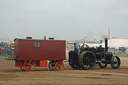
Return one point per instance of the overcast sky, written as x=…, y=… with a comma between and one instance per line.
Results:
x=63, y=19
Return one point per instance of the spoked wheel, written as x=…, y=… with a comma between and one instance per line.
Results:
x=52, y=65
x=115, y=62
x=87, y=60
x=22, y=68
x=59, y=66
x=29, y=65
x=103, y=64
x=73, y=64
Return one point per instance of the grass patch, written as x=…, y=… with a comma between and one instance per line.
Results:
x=2, y=57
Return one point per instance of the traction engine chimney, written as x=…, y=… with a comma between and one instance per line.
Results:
x=106, y=44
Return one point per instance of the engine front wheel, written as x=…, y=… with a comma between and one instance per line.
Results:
x=115, y=62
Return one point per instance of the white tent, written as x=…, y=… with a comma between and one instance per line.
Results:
x=116, y=43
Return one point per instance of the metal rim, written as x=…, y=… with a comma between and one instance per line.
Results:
x=87, y=60
x=29, y=65
x=103, y=64
x=115, y=62
x=51, y=65
x=59, y=66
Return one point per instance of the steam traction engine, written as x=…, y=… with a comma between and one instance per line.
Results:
x=90, y=56
x=34, y=52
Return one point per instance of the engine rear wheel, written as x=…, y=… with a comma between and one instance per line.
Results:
x=115, y=62
x=87, y=60
x=73, y=64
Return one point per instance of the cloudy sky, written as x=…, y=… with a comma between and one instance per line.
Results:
x=63, y=19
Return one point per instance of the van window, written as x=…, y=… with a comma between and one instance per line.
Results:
x=37, y=44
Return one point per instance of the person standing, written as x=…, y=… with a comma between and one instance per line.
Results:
x=77, y=48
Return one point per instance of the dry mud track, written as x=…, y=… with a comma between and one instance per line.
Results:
x=11, y=75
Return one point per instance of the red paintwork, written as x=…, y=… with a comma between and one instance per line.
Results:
x=29, y=65
x=42, y=63
x=49, y=49
x=26, y=53
x=59, y=66
x=19, y=63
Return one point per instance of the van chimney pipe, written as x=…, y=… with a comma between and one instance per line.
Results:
x=44, y=37
x=28, y=37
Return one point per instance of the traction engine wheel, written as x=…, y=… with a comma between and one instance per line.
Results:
x=87, y=60
x=29, y=65
x=59, y=65
x=73, y=65
x=115, y=62
x=103, y=64
x=52, y=65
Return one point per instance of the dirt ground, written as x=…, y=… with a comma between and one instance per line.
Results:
x=11, y=75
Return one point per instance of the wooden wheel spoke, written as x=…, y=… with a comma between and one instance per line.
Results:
x=29, y=65
x=59, y=66
x=115, y=62
x=51, y=65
